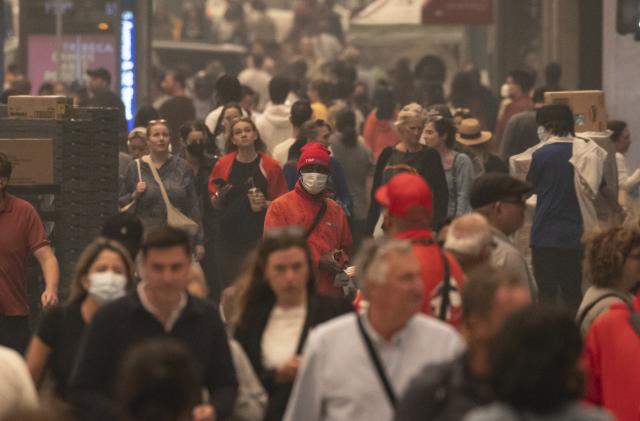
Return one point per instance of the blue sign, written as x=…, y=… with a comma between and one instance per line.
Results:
x=128, y=65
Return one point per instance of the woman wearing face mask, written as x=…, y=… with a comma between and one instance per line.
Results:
x=141, y=188
x=241, y=186
x=195, y=136
x=410, y=155
x=440, y=134
x=104, y=272
x=275, y=308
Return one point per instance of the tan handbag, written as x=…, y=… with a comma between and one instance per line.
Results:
x=128, y=207
x=175, y=218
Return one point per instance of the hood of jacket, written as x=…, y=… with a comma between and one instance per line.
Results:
x=277, y=115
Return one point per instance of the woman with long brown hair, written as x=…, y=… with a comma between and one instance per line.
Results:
x=274, y=309
x=241, y=185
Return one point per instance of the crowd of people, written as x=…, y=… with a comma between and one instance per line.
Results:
x=328, y=248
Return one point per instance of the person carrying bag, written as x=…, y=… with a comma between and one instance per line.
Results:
x=175, y=218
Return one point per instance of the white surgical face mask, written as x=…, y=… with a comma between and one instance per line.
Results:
x=543, y=136
x=314, y=182
x=107, y=286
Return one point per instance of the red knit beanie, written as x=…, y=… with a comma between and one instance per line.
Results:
x=313, y=153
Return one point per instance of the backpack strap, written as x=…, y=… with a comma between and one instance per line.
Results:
x=582, y=315
x=445, y=302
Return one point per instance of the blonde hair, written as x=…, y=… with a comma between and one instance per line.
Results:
x=409, y=113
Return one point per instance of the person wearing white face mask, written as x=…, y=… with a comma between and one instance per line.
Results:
x=104, y=272
x=323, y=219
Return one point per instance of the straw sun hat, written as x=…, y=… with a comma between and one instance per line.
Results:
x=469, y=133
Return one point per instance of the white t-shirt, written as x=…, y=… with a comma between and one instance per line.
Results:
x=281, y=150
x=282, y=335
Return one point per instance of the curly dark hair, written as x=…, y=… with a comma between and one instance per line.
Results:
x=605, y=254
x=534, y=360
x=444, y=126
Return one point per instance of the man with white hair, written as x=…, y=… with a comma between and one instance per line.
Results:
x=470, y=240
x=355, y=367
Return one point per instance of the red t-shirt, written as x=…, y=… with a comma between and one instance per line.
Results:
x=430, y=256
x=21, y=233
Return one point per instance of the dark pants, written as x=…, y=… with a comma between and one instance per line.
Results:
x=14, y=332
x=558, y=270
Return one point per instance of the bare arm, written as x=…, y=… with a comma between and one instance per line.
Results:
x=36, y=358
x=49, y=265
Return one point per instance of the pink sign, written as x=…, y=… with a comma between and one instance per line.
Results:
x=80, y=53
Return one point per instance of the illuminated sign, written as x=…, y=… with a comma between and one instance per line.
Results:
x=128, y=65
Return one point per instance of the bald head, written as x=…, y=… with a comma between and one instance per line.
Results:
x=470, y=239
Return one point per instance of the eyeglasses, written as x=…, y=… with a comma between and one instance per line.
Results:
x=159, y=121
x=434, y=115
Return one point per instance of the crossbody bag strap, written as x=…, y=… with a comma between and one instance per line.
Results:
x=156, y=177
x=375, y=359
x=317, y=219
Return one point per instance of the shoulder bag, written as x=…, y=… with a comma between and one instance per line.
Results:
x=175, y=218
x=129, y=206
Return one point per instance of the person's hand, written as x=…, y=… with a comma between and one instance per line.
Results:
x=140, y=188
x=257, y=201
x=199, y=252
x=217, y=198
x=49, y=298
x=329, y=262
x=204, y=412
x=287, y=373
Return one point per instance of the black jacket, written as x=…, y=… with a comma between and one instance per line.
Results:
x=249, y=335
x=118, y=326
x=430, y=169
x=443, y=392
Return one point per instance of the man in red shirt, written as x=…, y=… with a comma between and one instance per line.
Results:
x=408, y=204
x=323, y=220
x=612, y=348
x=520, y=83
x=22, y=233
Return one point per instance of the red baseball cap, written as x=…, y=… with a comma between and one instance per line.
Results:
x=313, y=153
x=405, y=194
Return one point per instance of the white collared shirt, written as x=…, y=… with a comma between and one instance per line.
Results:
x=337, y=379
x=175, y=314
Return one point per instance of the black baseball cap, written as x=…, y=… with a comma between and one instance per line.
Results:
x=100, y=73
x=493, y=187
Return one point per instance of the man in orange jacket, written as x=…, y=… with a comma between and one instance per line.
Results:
x=323, y=220
x=408, y=204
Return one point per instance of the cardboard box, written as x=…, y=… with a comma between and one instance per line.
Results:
x=32, y=160
x=589, y=111
x=49, y=107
